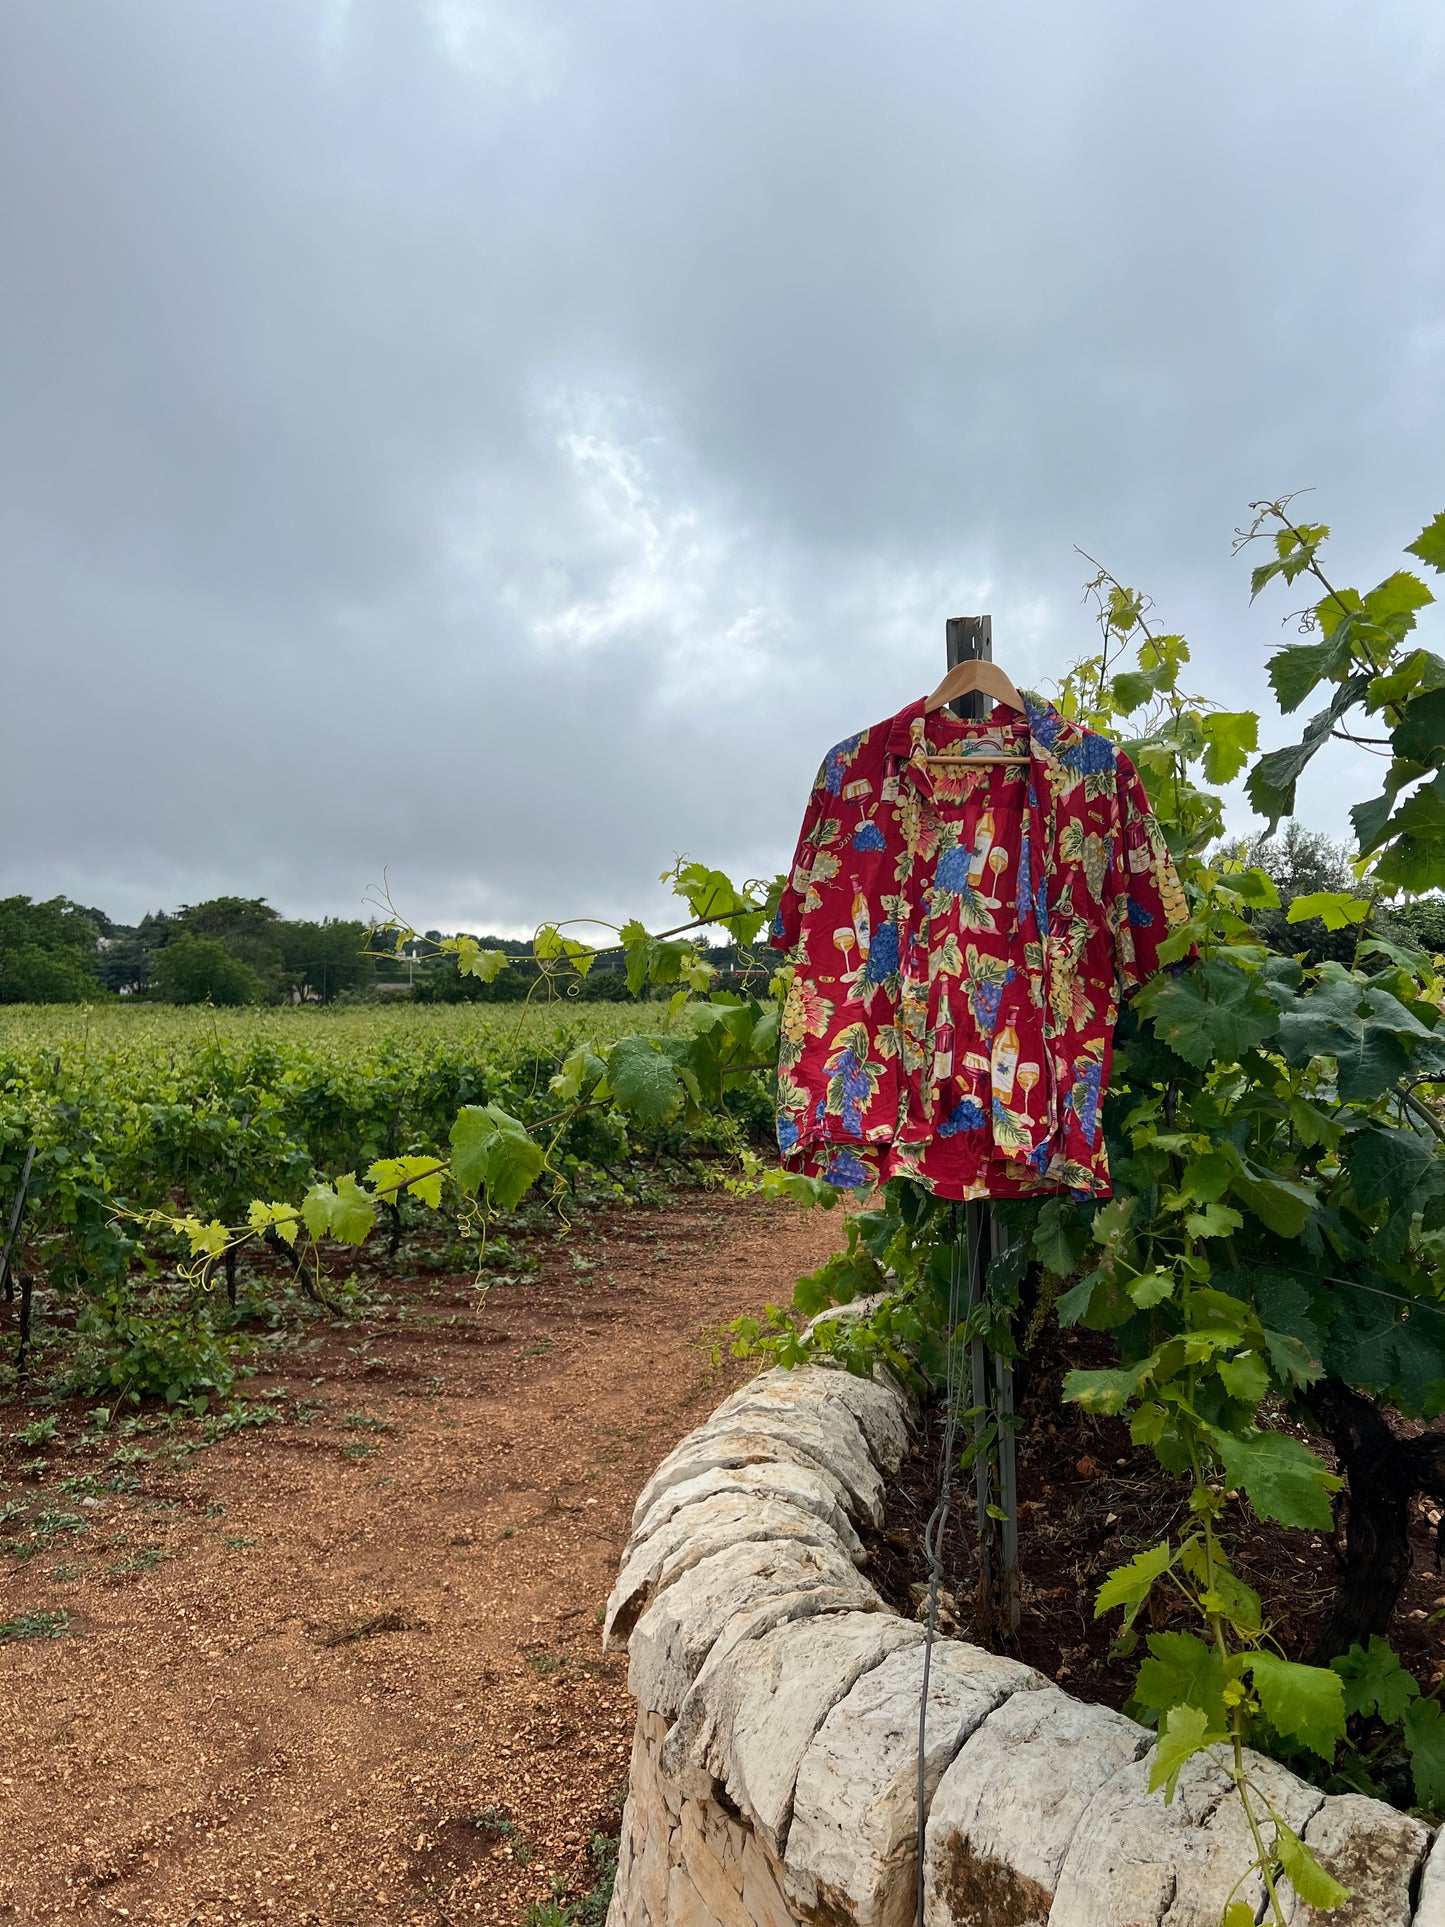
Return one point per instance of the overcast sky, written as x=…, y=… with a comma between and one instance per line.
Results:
x=504, y=444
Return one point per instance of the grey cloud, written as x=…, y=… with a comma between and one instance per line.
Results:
x=508, y=443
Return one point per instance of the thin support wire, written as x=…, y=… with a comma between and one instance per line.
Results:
x=936, y=1529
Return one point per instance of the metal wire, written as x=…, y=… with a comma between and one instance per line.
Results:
x=937, y=1527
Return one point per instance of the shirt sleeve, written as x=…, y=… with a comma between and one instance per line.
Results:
x=1149, y=899
x=787, y=924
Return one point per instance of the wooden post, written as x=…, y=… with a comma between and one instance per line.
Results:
x=970, y=639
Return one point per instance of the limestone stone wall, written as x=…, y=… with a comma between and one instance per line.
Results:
x=774, y=1768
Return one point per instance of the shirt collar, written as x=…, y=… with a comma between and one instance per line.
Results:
x=1049, y=731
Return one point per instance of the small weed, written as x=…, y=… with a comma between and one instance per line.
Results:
x=122, y=1483
x=39, y=1431
x=34, y=1468
x=129, y=1455
x=545, y=1664
x=64, y=1573
x=236, y=1543
x=359, y=1449
x=359, y=1422
x=522, y=1851
x=579, y=1263
x=80, y=1485
x=42, y=1625
x=216, y=1509
x=543, y=1344
x=44, y=1528
x=495, y=1822
x=144, y=1559
x=509, y=1532
x=237, y=1417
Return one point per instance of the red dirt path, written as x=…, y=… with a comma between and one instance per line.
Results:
x=351, y=1672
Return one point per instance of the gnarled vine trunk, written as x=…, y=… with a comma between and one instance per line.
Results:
x=1383, y=1474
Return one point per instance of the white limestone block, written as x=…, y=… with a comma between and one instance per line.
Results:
x=678, y=1630
x=1430, y=1907
x=755, y=1708
x=852, y=1846
x=696, y=1532
x=1375, y=1851
x=639, y=1894
x=808, y=1486
x=816, y=1434
x=1135, y=1860
x=881, y=1410
x=1008, y=1807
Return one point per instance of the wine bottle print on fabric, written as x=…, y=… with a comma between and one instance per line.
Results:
x=968, y=939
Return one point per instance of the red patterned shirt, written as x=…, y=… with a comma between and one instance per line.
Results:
x=961, y=939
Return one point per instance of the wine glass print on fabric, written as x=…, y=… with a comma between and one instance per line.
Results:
x=960, y=941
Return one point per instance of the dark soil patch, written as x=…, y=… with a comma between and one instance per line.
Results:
x=1089, y=1499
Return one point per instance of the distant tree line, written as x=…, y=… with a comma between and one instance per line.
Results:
x=230, y=950
x=238, y=950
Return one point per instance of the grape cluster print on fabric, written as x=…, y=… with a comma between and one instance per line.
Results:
x=961, y=938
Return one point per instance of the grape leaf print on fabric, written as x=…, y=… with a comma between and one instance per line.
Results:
x=960, y=941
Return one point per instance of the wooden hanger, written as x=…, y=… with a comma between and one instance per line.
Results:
x=962, y=680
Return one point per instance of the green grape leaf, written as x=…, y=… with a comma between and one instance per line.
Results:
x=1131, y=689
x=1239, y=1603
x=1185, y=1732
x=1256, y=887
x=1051, y=1241
x=1214, y=1221
x=1419, y=736
x=419, y=1175
x=1245, y=1378
x=471, y=1134
x=1425, y=1739
x=1231, y=737
x=714, y=898
x=1108, y=1390
x=1393, y=603
x=473, y=961
x=1206, y=1177
x=354, y=1212
x=1209, y=1015
x=1238, y=1914
x=1281, y=1477
x=1375, y=1681
x=1360, y=1026
x=1182, y=1671
x=1336, y=909
x=1429, y=544
x=580, y=1071
x=1304, y=1703
x=1302, y=666
x=1312, y=1884
x=209, y=1240
x=1286, y=1207
x=494, y=1151
x=1272, y=781
x=284, y=1219
x=346, y=1213
x=550, y=946
x=1153, y=1287
x=514, y=1162
x=644, y=1080
x=1129, y=1586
